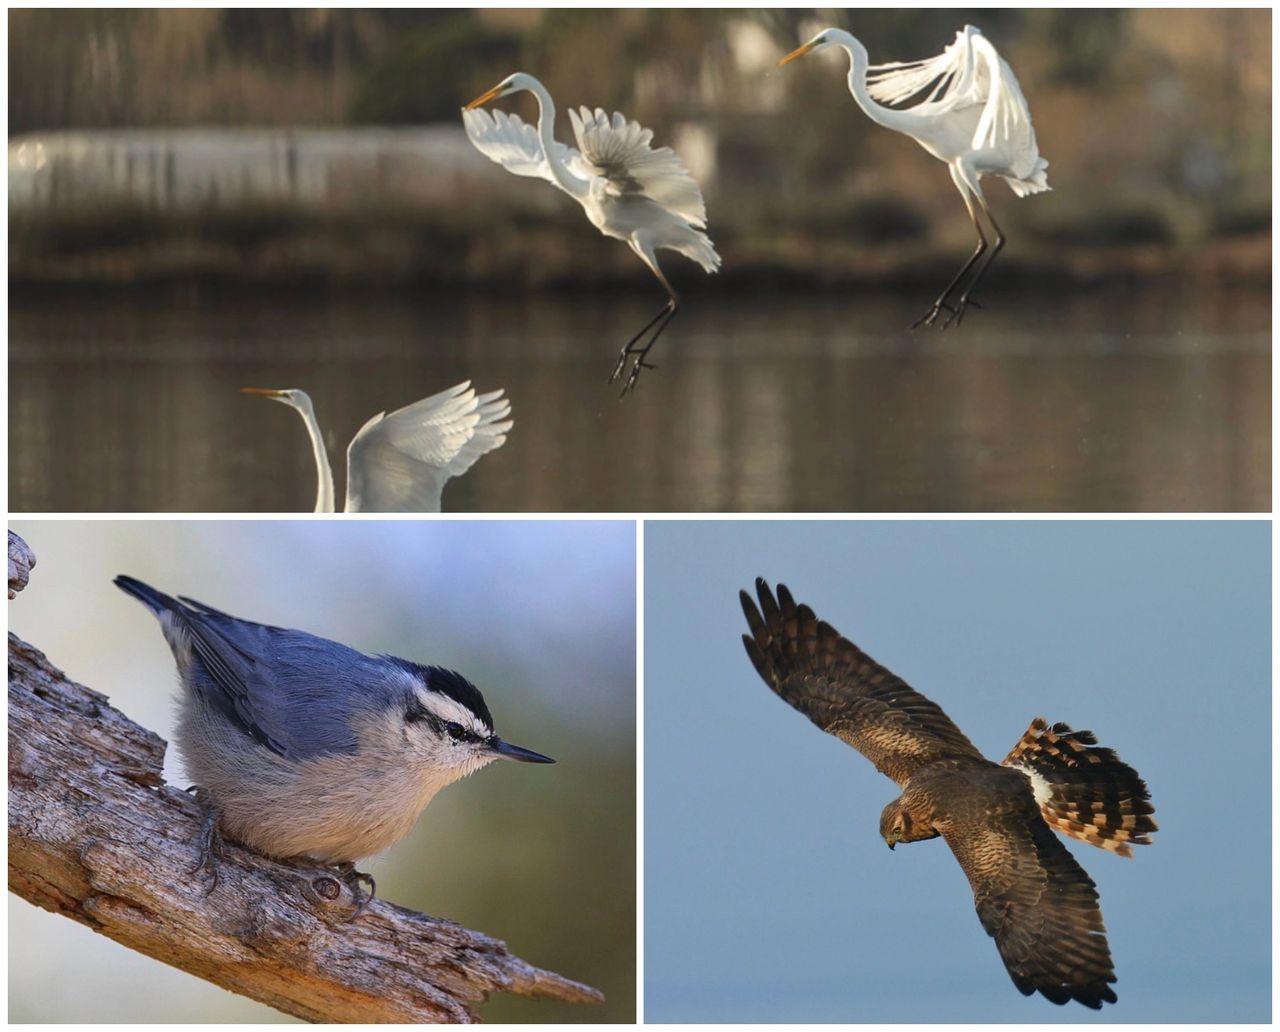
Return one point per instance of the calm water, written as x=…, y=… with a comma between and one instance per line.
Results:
x=822, y=403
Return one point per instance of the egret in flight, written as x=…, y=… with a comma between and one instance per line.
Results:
x=400, y=462
x=971, y=114
x=629, y=191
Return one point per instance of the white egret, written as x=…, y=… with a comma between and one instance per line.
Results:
x=972, y=115
x=400, y=462
x=630, y=191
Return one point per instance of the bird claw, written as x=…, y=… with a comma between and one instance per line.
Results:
x=930, y=317
x=622, y=363
x=352, y=878
x=640, y=363
x=211, y=845
x=957, y=313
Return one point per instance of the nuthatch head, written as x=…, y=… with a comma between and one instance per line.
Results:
x=308, y=748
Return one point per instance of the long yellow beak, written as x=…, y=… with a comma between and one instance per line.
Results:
x=262, y=392
x=484, y=98
x=798, y=52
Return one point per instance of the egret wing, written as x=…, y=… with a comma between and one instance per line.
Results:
x=844, y=691
x=1006, y=120
x=514, y=145
x=947, y=82
x=400, y=462
x=618, y=151
x=966, y=74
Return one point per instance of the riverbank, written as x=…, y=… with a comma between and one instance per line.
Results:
x=402, y=247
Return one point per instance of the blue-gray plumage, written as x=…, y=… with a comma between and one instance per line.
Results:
x=307, y=747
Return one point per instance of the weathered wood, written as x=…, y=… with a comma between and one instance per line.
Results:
x=21, y=559
x=95, y=834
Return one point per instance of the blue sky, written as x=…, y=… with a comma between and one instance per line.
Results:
x=769, y=895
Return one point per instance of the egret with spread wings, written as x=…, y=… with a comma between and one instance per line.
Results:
x=971, y=114
x=629, y=190
x=401, y=462
x=1031, y=895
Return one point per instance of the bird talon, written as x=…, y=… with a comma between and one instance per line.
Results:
x=352, y=879
x=622, y=364
x=930, y=317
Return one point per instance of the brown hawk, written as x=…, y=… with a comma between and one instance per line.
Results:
x=1031, y=895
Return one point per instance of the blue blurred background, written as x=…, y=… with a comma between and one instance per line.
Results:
x=540, y=615
x=769, y=895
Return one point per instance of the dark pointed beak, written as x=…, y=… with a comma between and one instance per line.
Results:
x=891, y=843
x=514, y=752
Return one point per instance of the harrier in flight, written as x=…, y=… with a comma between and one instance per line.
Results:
x=1031, y=895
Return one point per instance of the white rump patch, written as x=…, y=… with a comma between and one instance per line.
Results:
x=1041, y=788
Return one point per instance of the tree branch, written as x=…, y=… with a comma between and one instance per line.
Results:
x=96, y=835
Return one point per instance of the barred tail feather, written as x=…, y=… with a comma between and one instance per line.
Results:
x=1084, y=790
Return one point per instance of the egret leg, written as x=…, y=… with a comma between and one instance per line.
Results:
x=630, y=347
x=640, y=353
x=940, y=305
x=963, y=300
x=658, y=323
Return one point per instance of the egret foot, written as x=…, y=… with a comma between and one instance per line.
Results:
x=931, y=316
x=957, y=313
x=640, y=363
x=622, y=362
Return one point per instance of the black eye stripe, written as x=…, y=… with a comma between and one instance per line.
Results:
x=416, y=712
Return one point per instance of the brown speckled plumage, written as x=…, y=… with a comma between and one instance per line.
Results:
x=1031, y=895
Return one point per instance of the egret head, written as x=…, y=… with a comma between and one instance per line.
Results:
x=819, y=41
x=291, y=396
x=511, y=84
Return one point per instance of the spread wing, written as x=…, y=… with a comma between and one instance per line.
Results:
x=844, y=691
x=618, y=151
x=948, y=82
x=400, y=462
x=1035, y=901
x=514, y=145
x=969, y=72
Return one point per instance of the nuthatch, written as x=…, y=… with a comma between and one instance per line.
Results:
x=307, y=748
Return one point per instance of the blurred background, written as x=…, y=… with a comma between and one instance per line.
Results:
x=203, y=199
x=540, y=615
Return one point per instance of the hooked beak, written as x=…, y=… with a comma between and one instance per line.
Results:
x=263, y=392
x=890, y=842
x=798, y=52
x=513, y=752
x=485, y=97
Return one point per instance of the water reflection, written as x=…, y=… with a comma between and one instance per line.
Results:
x=1135, y=401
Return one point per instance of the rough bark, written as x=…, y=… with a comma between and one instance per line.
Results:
x=95, y=834
x=21, y=559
